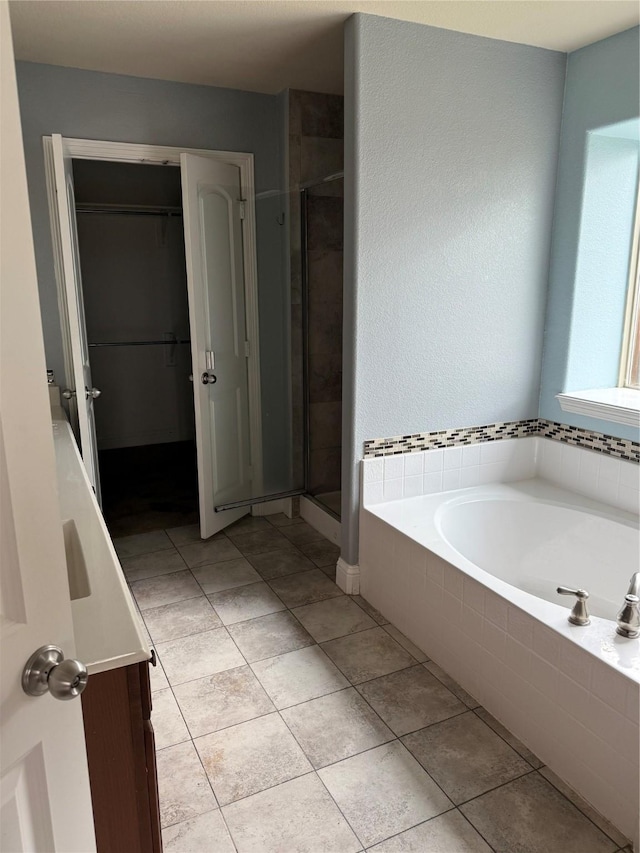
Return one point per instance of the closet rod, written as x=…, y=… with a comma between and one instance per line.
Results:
x=129, y=211
x=138, y=343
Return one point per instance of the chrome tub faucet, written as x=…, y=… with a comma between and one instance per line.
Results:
x=580, y=613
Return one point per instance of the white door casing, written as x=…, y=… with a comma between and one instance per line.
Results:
x=44, y=785
x=131, y=152
x=82, y=384
x=212, y=212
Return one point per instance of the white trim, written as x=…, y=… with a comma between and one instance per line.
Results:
x=632, y=306
x=348, y=577
x=618, y=405
x=66, y=381
x=128, y=152
x=320, y=520
x=159, y=155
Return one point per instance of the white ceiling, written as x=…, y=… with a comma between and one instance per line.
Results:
x=269, y=45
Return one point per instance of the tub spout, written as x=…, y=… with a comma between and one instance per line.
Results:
x=580, y=613
x=634, y=585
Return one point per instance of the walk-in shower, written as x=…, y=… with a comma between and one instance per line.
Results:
x=322, y=204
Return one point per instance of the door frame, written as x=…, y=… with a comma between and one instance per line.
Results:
x=161, y=155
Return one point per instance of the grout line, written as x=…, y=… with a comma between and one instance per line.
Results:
x=204, y=769
x=188, y=598
x=191, y=738
x=511, y=746
x=366, y=681
x=604, y=832
x=429, y=820
x=350, y=685
x=337, y=805
x=430, y=725
x=225, y=728
x=497, y=787
x=169, y=547
x=194, y=817
x=315, y=770
x=381, y=625
x=475, y=828
x=473, y=708
x=269, y=788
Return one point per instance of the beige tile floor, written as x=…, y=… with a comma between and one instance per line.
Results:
x=290, y=717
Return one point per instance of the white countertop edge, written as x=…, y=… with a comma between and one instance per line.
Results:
x=139, y=656
x=107, y=628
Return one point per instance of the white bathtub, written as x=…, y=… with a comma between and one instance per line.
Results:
x=469, y=575
x=536, y=542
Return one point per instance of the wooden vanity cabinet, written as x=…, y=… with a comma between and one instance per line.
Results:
x=116, y=706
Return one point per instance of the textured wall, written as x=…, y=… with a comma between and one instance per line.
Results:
x=94, y=105
x=597, y=174
x=450, y=153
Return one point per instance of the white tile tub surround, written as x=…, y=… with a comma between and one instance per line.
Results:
x=597, y=476
x=409, y=475
x=594, y=475
x=570, y=694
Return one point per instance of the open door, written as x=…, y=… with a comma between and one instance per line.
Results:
x=45, y=800
x=82, y=388
x=212, y=211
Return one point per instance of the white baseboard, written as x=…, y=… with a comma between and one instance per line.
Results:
x=273, y=507
x=348, y=577
x=320, y=520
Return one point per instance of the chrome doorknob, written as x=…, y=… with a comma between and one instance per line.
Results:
x=208, y=378
x=48, y=671
x=93, y=392
x=68, y=393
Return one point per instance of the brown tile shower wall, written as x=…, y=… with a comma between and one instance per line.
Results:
x=316, y=151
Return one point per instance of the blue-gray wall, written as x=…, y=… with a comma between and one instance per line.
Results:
x=595, y=200
x=93, y=105
x=451, y=145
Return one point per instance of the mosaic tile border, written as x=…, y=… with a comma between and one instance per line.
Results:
x=597, y=441
x=621, y=448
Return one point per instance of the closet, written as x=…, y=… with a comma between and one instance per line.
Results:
x=132, y=257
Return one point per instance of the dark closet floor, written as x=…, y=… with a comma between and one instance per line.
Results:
x=149, y=488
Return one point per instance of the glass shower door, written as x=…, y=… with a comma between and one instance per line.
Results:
x=322, y=224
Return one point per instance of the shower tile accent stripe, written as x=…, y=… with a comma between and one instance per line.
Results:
x=606, y=444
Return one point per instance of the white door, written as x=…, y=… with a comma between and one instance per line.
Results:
x=45, y=799
x=211, y=199
x=82, y=385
